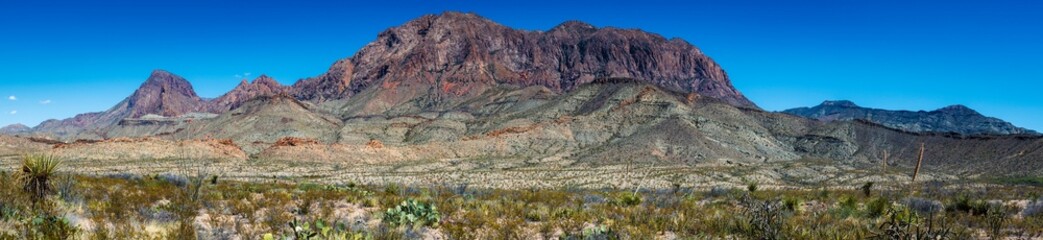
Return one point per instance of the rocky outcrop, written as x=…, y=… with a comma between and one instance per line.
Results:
x=263, y=120
x=163, y=94
x=457, y=55
x=245, y=91
x=955, y=119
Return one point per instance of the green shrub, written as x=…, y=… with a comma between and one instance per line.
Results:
x=36, y=174
x=902, y=223
x=627, y=199
x=537, y=212
x=846, y=207
x=867, y=189
x=792, y=204
x=48, y=227
x=995, y=219
x=599, y=232
x=412, y=213
x=302, y=230
x=1021, y=180
x=966, y=204
x=66, y=188
x=751, y=186
x=9, y=197
x=923, y=206
x=877, y=207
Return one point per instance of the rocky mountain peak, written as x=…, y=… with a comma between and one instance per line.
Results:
x=574, y=26
x=261, y=86
x=265, y=80
x=163, y=93
x=958, y=109
x=455, y=55
x=167, y=82
x=839, y=103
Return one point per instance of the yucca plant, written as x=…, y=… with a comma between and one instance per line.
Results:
x=37, y=171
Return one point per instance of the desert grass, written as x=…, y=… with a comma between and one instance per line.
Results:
x=210, y=199
x=166, y=207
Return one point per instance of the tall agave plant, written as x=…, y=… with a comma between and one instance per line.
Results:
x=37, y=171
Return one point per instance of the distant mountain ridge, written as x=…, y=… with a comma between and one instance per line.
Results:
x=15, y=129
x=955, y=118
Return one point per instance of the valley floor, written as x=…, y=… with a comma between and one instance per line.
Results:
x=508, y=173
x=506, y=199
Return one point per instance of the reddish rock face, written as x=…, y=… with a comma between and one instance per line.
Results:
x=164, y=94
x=460, y=54
x=261, y=86
x=435, y=60
x=332, y=84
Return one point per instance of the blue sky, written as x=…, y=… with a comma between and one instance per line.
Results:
x=61, y=58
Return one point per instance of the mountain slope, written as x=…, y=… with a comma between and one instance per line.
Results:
x=264, y=119
x=245, y=91
x=163, y=93
x=955, y=118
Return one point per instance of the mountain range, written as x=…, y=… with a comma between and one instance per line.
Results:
x=953, y=119
x=459, y=86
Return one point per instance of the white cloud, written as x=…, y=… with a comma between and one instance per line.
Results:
x=45, y=102
x=246, y=74
x=12, y=98
x=13, y=112
x=238, y=76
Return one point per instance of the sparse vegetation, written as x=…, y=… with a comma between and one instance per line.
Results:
x=412, y=213
x=191, y=206
x=867, y=189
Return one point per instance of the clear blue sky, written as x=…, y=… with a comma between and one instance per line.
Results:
x=59, y=58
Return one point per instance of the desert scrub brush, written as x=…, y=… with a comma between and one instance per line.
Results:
x=412, y=212
x=37, y=171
